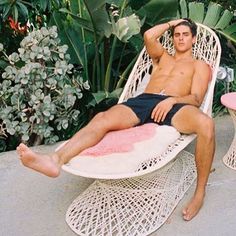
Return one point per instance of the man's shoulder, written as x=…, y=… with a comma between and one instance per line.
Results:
x=201, y=64
x=202, y=68
x=164, y=57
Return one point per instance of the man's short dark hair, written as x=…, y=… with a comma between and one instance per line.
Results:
x=188, y=22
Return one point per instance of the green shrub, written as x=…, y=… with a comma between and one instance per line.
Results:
x=39, y=94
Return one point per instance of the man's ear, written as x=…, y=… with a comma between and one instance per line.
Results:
x=194, y=40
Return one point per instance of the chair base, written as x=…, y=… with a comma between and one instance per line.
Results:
x=134, y=206
x=230, y=157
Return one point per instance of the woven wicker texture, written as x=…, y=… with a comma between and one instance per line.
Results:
x=135, y=206
x=230, y=157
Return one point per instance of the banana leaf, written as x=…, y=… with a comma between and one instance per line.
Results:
x=224, y=20
x=196, y=11
x=183, y=9
x=156, y=11
x=216, y=17
x=230, y=32
x=213, y=14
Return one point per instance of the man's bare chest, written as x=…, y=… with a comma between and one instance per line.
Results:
x=182, y=70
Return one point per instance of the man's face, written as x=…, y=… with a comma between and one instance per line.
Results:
x=183, y=39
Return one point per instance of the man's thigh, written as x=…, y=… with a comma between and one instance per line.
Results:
x=121, y=117
x=189, y=119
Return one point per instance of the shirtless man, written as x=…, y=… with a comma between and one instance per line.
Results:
x=183, y=81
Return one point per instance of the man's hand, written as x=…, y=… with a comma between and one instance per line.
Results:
x=175, y=22
x=161, y=109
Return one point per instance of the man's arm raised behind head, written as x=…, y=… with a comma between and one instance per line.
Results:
x=151, y=38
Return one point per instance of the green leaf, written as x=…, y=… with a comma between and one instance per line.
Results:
x=3, y=64
x=46, y=113
x=2, y=2
x=14, y=99
x=11, y=131
x=230, y=29
x=94, y=5
x=75, y=114
x=196, y=11
x=157, y=11
x=116, y=93
x=47, y=99
x=43, y=4
x=6, y=12
x=230, y=32
x=126, y=27
x=64, y=124
x=212, y=15
x=15, y=13
x=84, y=23
x=23, y=9
x=183, y=9
x=74, y=6
x=25, y=137
x=97, y=16
x=71, y=36
x=99, y=96
x=224, y=20
x=25, y=126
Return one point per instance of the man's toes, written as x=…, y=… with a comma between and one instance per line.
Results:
x=19, y=151
x=186, y=217
x=22, y=146
x=185, y=214
x=185, y=211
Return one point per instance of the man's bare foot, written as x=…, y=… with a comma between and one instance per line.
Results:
x=45, y=164
x=193, y=207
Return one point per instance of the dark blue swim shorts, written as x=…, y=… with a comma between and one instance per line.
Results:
x=143, y=104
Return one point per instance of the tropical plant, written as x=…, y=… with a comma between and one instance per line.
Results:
x=18, y=17
x=24, y=10
x=104, y=38
x=229, y=4
x=39, y=93
x=97, y=32
x=215, y=17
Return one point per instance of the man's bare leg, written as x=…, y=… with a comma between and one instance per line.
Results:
x=191, y=120
x=116, y=118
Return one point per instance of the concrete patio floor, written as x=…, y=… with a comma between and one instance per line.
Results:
x=34, y=205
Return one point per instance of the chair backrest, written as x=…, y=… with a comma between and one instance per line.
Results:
x=206, y=48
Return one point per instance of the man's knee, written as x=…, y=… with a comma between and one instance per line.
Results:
x=206, y=126
x=105, y=121
x=101, y=119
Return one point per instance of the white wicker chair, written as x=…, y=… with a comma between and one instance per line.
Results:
x=141, y=204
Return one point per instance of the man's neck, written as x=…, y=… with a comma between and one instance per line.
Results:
x=185, y=55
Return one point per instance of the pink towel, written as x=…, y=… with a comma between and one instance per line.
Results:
x=121, y=140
